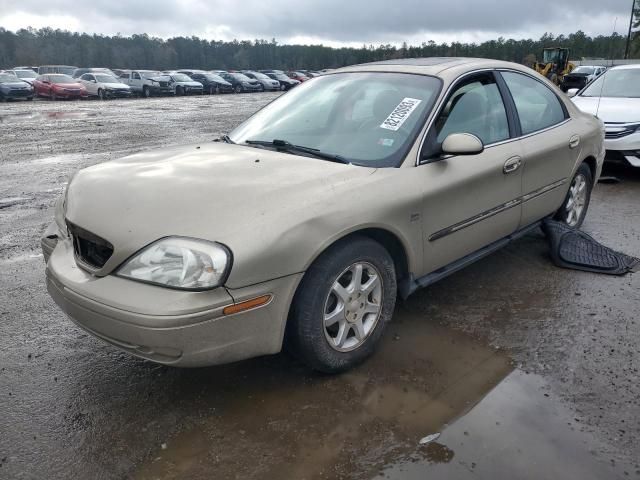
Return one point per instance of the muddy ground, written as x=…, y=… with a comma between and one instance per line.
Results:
x=525, y=370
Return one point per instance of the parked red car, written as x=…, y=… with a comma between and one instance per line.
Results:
x=301, y=77
x=56, y=86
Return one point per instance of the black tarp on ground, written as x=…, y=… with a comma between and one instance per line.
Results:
x=574, y=249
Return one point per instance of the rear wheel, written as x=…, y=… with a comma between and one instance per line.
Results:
x=53, y=95
x=342, y=305
x=574, y=208
x=238, y=89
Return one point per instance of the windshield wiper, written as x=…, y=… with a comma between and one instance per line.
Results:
x=227, y=139
x=286, y=146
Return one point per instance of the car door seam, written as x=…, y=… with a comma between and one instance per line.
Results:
x=495, y=210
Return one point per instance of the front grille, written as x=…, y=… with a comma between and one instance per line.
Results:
x=620, y=130
x=89, y=248
x=164, y=84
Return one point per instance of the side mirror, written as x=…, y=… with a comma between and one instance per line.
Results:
x=462, y=144
x=572, y=92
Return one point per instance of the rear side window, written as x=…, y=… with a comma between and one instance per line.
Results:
x=538, y=107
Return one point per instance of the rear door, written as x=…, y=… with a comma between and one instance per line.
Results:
x=550, y=145
x=471, y=201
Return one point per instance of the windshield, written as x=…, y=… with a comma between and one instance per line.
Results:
x=61, y=79
x=25, y=73
x=621, y=83
x=369, y=119
x=214, y=78
x=241, y=77
x=5, y=77
x=181, y=77
x=106, y=79
x=150, y=74
x=281, y=76
x=586, y=70
x=261, y=76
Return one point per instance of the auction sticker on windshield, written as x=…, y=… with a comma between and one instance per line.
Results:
x=400, y=113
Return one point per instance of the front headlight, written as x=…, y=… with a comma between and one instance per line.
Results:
x=179, y=262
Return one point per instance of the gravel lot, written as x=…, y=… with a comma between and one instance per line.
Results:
x=526, y=370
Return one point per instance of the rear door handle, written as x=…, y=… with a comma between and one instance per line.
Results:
x=512, y=165
x=574, y=141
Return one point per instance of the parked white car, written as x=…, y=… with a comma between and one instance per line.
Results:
x=104, y=86
x=614, y=97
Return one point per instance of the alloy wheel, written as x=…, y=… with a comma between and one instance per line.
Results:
x=577, y=200
x=353, y=306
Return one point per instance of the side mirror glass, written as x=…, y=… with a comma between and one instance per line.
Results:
x=462, y=144
x=572, y=92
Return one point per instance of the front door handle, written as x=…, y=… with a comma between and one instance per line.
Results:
x=574, y=141
x=512, y=165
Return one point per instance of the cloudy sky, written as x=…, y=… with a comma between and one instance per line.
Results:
x=332, y=22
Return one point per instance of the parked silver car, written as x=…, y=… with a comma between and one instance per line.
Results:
x=304, y=224
x=104, y=86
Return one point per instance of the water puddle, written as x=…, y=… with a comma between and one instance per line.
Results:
x=370, y=421
x=57, y=115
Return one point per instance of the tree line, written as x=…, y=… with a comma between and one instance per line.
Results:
x=53, y=46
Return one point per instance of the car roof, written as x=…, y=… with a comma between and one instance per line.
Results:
x=444, y=67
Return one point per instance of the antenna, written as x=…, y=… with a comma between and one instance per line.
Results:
x=604, y=75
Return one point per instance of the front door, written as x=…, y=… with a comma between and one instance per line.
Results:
x=472, y=200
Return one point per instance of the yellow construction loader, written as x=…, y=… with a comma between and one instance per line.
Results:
x=555, y=64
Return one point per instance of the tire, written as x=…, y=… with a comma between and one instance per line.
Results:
x=326, y=348
x=146, y=92
x=261, y=87
x=101, y=94
x=238, y=89
x=283, y=87
x=29, y=99
x=574, y=208
x=53, y=96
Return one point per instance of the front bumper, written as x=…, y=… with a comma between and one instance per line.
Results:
x=626, y=148
x=172, y=327
x=17, y=94
x=158, y=90
x=118, y=93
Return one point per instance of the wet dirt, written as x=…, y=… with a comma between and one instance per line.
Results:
x=526, y=370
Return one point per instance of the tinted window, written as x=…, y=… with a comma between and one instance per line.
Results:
x=136, y=76
x=86, y=76
x=537, y=105
x=475, y=107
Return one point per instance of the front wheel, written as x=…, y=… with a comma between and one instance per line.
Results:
x=574, y=208
x=342, y=305
x=238, y=89
x=101, y=94
x=146, y=92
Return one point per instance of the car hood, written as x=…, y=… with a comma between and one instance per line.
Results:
x=68, y=85
x=189, y=84
x=16, y=84
x=219, y=192
x=620, y=110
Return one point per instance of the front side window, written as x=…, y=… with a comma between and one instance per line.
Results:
x=537, y=106
x=475, y=107
x=365, y=117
